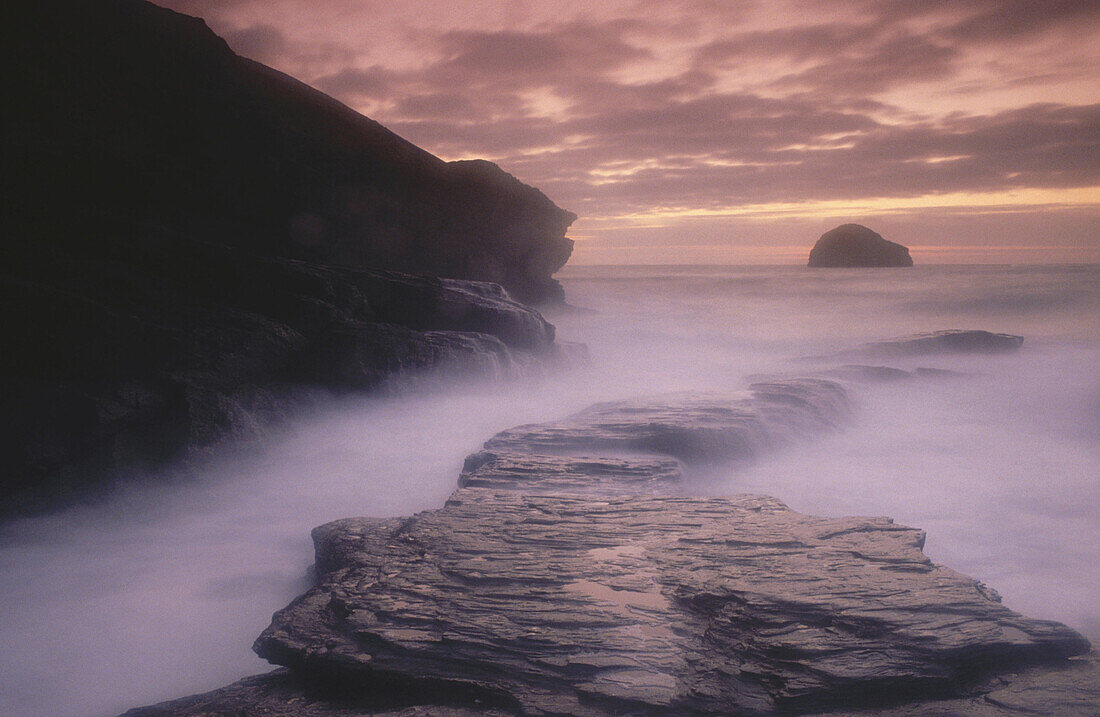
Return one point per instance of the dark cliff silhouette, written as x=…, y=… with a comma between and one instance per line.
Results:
x=187, y=229
x=125, y=109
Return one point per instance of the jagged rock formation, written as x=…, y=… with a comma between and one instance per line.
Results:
x=118, y=370
x=192, y=239
x=600, y=592
x=854, y=245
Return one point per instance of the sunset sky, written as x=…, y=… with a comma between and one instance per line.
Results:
x=710, y=131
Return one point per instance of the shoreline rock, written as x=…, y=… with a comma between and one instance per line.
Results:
x=111, y=379
x=565, y=578
x=931, y=344
x=196, y=241
x=959, y=341
x=1069, y=689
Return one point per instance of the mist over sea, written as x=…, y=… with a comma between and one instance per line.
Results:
x=159, y=590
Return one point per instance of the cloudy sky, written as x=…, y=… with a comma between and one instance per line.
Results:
x=733, y=131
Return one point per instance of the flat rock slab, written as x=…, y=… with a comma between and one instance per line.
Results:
x=957, y=341
x=689, y=426
x=282, y=693
x=568, y=576
x=1069, y=689
x=654, y=434
x=548, y=604
x=566, y=474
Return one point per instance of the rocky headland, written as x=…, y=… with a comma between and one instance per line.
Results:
x=571, y=574
x=196, y=241
x=854, y=245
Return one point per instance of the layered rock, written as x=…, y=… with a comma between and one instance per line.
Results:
x=568, y=576
x=854, y=245
x=118, y=369
x=1069, y=688
x=568, y=605
x=195, y=242
x=569, y=474
x=691, y=427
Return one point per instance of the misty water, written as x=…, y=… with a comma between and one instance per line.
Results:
x=158, y=591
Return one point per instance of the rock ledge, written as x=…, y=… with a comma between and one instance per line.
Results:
x=569, y=577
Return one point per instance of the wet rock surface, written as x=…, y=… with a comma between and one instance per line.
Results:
x=572, y=605
x=283, y=693
x=691, y=427
x=854, y=246
x=570, y=474
x=569, y=577
x=1070, y=688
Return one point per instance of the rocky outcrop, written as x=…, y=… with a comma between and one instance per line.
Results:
x=567, y=605
x=565, y=579
x=951, y=341
x=957, y=341
x=119, y=368
x=1070, y=688
x=194, y=242
x=854, y=245
x=124, y=110
x=284, y=693
x=907, y=349
x=637, y=446
x=692, y=427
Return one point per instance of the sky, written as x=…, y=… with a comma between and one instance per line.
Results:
x=733, y=132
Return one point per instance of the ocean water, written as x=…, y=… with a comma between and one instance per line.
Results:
x=158, y=591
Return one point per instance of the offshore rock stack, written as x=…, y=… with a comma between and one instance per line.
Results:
x=854, y=245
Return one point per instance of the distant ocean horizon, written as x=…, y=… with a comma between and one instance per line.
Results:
x=572, y=265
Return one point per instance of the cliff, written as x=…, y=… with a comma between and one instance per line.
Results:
x=194, y=239
x=125, y=109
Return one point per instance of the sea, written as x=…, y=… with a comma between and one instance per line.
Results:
x=158, y=590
